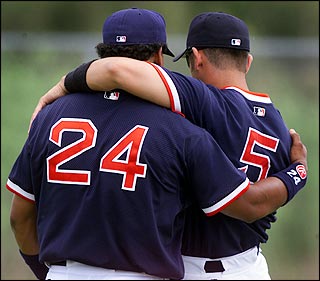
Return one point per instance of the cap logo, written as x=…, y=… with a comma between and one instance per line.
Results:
x=121, y=39
x=235, y=42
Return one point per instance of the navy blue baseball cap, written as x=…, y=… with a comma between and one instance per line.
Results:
x=136, y=26
x=217, y=30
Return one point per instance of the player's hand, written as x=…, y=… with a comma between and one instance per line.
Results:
x=298, y=151
x=54, y=93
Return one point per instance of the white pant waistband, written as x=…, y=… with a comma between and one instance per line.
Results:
x=204, y=265
x=71, y=270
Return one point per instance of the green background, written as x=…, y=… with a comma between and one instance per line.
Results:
x=29, y=67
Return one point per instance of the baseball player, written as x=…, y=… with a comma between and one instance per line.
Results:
x=262, y=150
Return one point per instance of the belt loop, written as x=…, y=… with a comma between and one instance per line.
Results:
x=61, y=263
x=213, y=266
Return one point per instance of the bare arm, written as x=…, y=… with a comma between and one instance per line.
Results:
x=266, y=196
x=23, y=220
x=115, y=73
x=261, y=199
x=130, y=75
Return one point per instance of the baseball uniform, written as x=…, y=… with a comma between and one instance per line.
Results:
x=111, y=174
x=252, y=133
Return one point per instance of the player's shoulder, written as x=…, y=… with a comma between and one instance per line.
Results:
x=188, y=129
x=252, y=96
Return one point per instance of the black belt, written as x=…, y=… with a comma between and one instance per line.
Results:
x=61, y=263
x=213, y=266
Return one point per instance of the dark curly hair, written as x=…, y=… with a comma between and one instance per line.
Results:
x=139, y=52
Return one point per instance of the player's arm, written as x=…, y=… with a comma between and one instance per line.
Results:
x=107, y=74
x=129, y=75
x=258, y=201
x=266, y=196
x=23, y=220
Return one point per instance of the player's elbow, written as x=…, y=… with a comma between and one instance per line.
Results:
x=104, y=75
x=251, y=216
x=117, y=71
x=248, y=216
x=14, y=221
x=22, y=213
x=245, y=210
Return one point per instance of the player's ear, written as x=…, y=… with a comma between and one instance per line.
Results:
x=197, y=62
x=249, y=61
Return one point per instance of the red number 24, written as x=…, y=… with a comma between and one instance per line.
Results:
x=131, y=144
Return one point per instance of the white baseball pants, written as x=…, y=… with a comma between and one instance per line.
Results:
x=248, y=265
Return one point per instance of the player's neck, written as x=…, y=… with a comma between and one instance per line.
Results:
x=223, y=78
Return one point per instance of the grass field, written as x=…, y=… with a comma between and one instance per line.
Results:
x=293, y=248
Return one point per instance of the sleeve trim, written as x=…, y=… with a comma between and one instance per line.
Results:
x=171, y=88
x=242, y=188
x=19, y=191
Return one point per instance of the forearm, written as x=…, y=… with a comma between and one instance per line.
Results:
x=266, y=196
x=261, y=199
x=23, y=221
x=26, y=237
x=136, y=77
x=27, y=240
x=29, y=251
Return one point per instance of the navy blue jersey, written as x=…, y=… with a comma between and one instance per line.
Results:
x=111, y=175
x=252, y=133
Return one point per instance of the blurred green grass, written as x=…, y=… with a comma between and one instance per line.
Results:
x=292, y=251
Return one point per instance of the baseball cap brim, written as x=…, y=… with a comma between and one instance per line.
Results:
x=166, y=51
x=180, y=56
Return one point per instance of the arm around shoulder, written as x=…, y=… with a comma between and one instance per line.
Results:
x=261, y=199
x=266, y=196
x=136, y=77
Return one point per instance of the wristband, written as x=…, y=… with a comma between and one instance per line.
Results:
x=39, y=269
x=294, y=177
x=75, y=81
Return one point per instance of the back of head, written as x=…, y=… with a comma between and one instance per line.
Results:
x=217, y=30
x=134, y=33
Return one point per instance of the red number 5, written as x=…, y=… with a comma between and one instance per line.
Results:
x=259, y=160
x=131, y=144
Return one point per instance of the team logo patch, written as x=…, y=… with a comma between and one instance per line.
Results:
x=121, y=39
x=259, y=111
x=111, y=95
x=235, y=42
x=301, y=171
